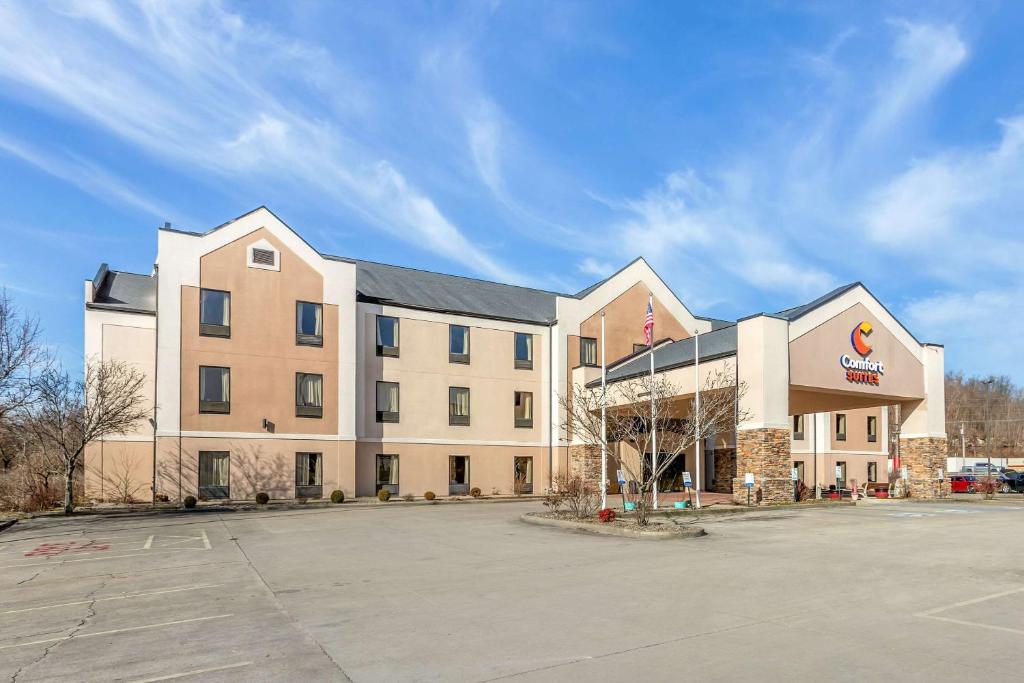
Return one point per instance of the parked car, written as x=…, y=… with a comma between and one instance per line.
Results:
x=1012, y=484
x=963, y=483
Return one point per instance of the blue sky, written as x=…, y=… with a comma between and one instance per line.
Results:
x=756, y=154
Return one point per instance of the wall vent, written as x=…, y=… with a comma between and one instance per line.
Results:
x=263, y=257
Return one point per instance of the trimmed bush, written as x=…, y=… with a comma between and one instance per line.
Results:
x=337, y=497
x=383, y=495
x=429, y=495
x=606, y=515
x=408, y=498
x=475, y=492
x=189, y=502
x=262, y=498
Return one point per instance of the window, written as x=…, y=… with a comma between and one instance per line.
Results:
x=309, y=472
x=524, y=409
x=387, y=401
x=872, y=428
x=640, y=348
x=309, y=324
x=799, y=466
x=309, y=395
x=522, y=473
x=840, y=426
x=387, y=336
x=458, y=406
x=872, y=472
x=458, y=344
x=263, y=257
x=387, y=473
x=214, y=389
x=524, y=351
x=588, y=351
x=214, y=475
x=798, y=427
x=458, y=475
x=214, y=313
x=841, y=471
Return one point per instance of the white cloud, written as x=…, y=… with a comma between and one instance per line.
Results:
x=202, y=89
x=595, y=268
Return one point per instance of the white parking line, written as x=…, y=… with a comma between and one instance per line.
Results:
x=206, y=539
x=194, y=672
x=124, y=596
x=149, y=543
x=115, y=631
x=55, y=562
x=932, y=613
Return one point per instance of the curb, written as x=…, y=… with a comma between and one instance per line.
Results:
x=8, y=524
x=610, y=530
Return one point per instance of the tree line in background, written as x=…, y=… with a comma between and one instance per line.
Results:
x=48, y=415
x=991, y=412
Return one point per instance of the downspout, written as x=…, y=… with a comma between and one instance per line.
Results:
x=551, y=390
x=156, y=370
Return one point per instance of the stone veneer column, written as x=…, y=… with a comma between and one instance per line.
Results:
x=766, y=454
x=586, y=461
x=924, y=457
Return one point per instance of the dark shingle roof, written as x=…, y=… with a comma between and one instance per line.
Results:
x=381, y=283
x=715, y=344
x=792, y=314
x=120, y=291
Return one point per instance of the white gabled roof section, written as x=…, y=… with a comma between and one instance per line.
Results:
x=574, y=311
x=856, y=295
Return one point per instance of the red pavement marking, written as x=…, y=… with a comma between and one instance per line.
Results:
x=52, y=549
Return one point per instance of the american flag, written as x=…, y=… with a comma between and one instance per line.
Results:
x=649, y=325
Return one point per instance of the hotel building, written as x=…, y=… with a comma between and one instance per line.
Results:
x=273, y=367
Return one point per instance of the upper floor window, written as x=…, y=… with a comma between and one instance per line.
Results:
x=387, y=336
x=524, y=351
x=840, y=426
x=798, y=427
x=458, y=344
x=588, y=351
x=214, y=389
x=458, y=406
x=524, y=409
x=214, y=313
x=309, y=395
x=387, y=401
x=309, y=323
x=872, y=428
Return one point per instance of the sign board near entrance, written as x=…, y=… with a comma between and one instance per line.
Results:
x=839, y=472
x=687, y=482
x=794, y=474
x=748, y=480
x=621, y=476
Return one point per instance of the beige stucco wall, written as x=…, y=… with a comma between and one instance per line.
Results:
x=624, y=318
x=261, y=351
x=424, y=467
x=256, y=465
x=424, y=375
x=814, y=358
x=119, y=471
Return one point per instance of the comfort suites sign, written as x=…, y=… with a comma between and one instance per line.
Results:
x=860, y=369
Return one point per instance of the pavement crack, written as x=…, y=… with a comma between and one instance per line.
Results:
x=90, y=613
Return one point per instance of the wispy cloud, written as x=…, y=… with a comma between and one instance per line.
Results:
x=125, y=68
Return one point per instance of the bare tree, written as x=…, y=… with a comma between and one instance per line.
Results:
x=72, y=413
x=22, y=357
x=628, y=422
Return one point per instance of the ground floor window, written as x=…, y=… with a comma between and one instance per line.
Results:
x=214, y=474
x=523, y=475
x=872, y=472
x=458, y=475
x=309, y=468
x=387, y=474
x=841, y=474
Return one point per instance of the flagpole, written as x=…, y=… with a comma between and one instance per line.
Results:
x=604, y=427
x=654, y=424
x=699, y=449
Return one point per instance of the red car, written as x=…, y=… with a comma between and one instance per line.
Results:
x=963, y=483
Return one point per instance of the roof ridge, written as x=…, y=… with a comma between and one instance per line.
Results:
x=451, y=275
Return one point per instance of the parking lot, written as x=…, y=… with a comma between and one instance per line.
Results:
x=469, y=593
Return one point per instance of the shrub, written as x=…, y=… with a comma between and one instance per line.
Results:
x=606, y=515
x=189, y=502
x=578, y=494
x=430, y=495
x=553, y=500
x=383, y=495
x=262, y=498
x=408, y=498
x=475, y=492
x=337, y=497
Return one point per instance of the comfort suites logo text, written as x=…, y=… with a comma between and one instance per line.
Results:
x=862, y=370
